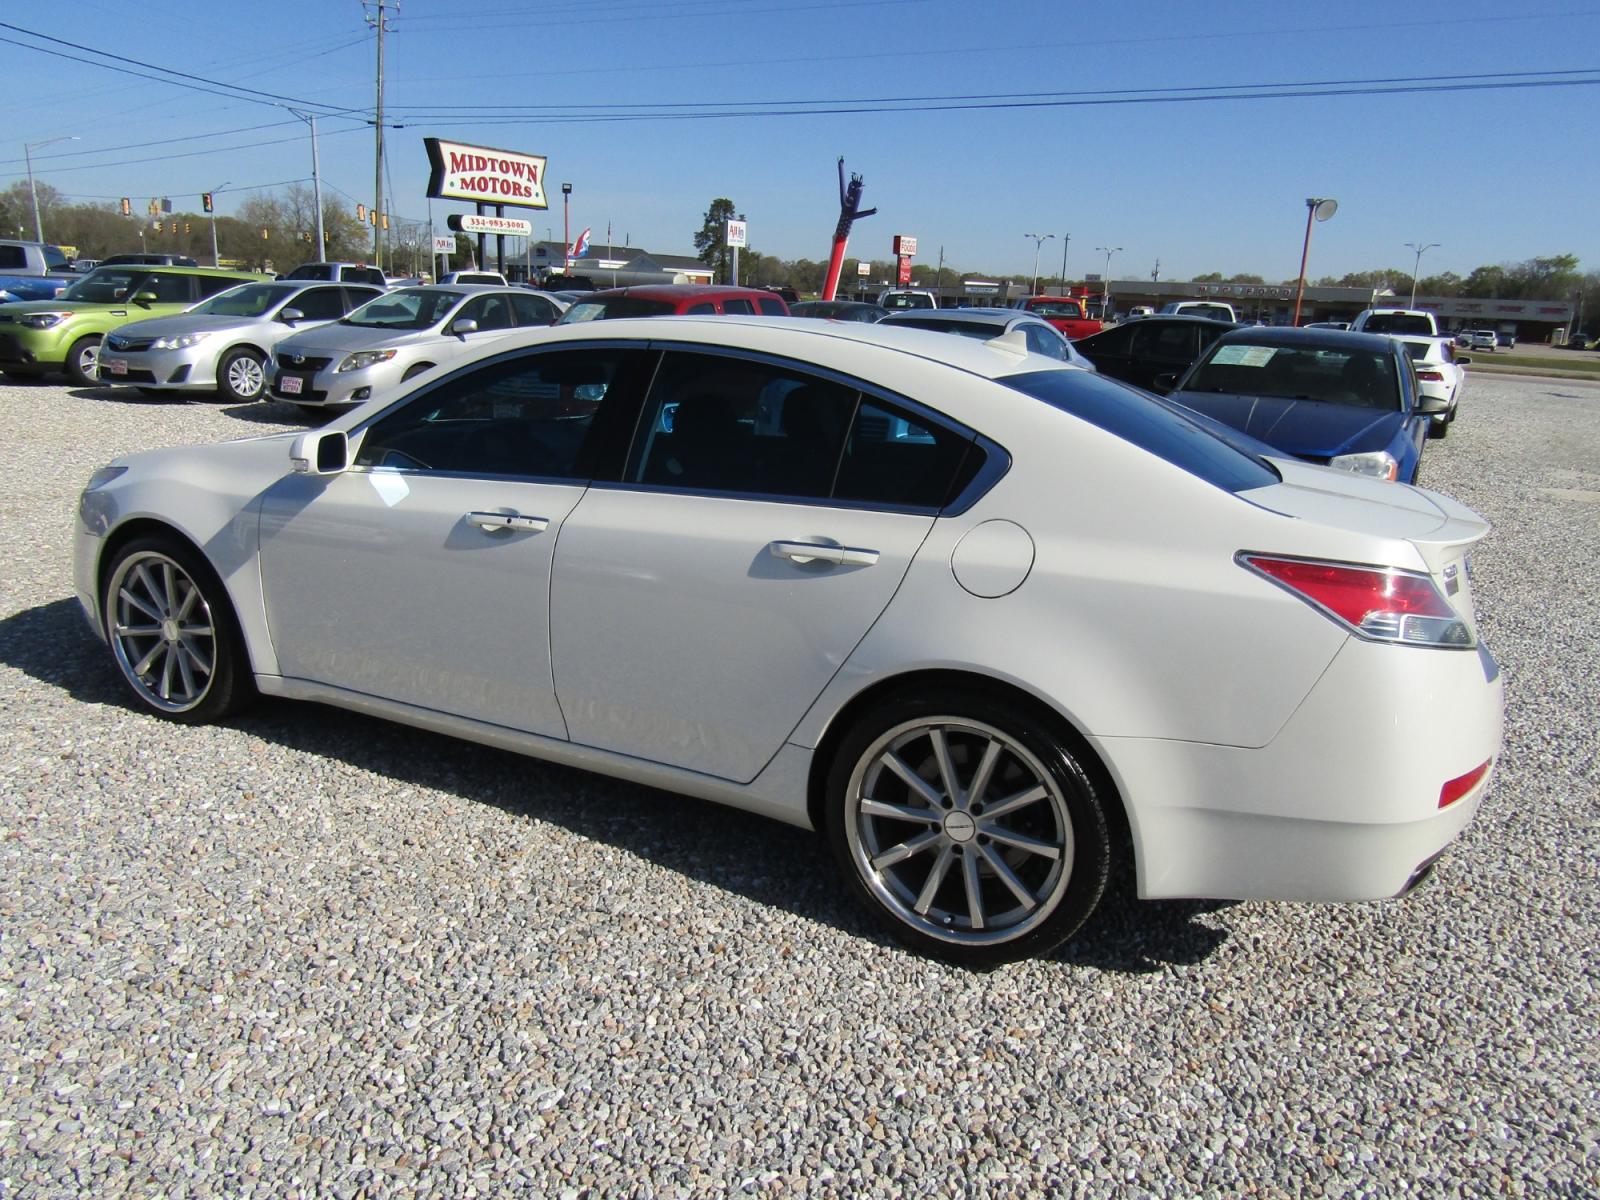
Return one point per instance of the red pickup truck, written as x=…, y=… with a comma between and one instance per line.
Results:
x=1065, y=313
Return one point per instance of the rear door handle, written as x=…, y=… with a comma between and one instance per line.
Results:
x=500, y=520
x=805, y=552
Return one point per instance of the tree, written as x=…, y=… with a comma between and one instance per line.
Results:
x=1208, y=277
x=710, y=243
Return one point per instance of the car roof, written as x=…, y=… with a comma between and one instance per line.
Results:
x=1318, y=339
x=679, y=291
x=794, y=335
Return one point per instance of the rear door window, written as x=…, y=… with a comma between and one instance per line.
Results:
x=354, y=297
x=738, y=307
x=320, y=303
x=773, y=308
x=1165, y=342
x=896, y=459
x=533, y=310
x=179, y=289
x=12, y=258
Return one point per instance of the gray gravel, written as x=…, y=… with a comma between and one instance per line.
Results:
x=310, y=954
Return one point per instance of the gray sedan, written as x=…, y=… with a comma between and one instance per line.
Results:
x=223, y=343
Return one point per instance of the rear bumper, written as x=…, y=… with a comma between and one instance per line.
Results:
x=1342, y=805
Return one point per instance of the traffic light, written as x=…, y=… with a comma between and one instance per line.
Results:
x=186, y=227
x=263, y=233
x=127, y=207
x=205, y=201
x=386, y=220
x=361, y=212
x=173, y=228
x=154, y=207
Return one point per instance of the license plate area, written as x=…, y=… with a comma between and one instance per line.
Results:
x=114, y=366
x=291, y=385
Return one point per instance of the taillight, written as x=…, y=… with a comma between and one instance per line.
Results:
x=1461, y=785
x=1431, y=376
x=1384, y=604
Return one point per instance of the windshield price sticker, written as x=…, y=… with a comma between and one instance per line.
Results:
x=1244, y=356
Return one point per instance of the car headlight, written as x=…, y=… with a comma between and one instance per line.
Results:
x=104, y=476
x=1378, y=464
x=180, y=341
x=44, y=320
x=364, y=358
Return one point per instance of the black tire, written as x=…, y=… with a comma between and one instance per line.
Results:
x=414, y=370
x=1438, y=429
x=147, y=578
x=81, y=365
x=234, y=374
x=1069, y=815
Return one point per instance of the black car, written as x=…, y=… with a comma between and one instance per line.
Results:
x=839, y=310
x=148, y=260
x=1140, y=352
x=790, y=296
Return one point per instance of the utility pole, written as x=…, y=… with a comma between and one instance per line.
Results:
x=316, y=191
x=377, y=126
x=1066, y=240
x=1155, y=272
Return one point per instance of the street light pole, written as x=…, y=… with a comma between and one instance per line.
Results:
x=1105, y=283
x=27, y=153
x=1417, y=265
x=215, y=261
x=1039, y=239
x=1318, y=208
x=1066, y=240
x=566, y=229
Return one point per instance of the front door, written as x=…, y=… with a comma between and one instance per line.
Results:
x=764, y=520
x=422, y=574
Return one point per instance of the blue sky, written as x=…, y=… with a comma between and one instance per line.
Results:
x=1493, y=176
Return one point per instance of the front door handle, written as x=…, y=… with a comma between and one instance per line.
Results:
x=490, y=521
x=806, y=552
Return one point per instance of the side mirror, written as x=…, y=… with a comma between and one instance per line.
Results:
x=464, y=326
x=1463, y=359
x=321, y=452
x=1430, y=405
x=290, y=315
x=1164, y=382
x=146, y=298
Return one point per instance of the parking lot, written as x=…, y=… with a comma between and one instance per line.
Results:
x=309, y=953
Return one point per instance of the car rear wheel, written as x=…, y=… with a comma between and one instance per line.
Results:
x=967, y=826
x=242, y=376
x=83, y=361
x=173, y=633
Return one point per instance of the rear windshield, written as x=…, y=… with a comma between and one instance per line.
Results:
x=312, y=271
x=1151, y=424
x=614, y=307
x=1360, y=378
x=251, y=300
x=413, y=308
x=1397, y=323
x=907, y=300
x=1055, y=308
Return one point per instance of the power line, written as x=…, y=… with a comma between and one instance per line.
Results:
x=123, y=162
x=193, y=137
x=238, y=91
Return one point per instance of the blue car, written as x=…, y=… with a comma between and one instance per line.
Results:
x=1347, y=400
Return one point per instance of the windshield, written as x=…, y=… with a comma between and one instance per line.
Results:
x=1398, y=323
x=1055, y=308
x=613, y=307
x=413, y=308
x=1229, y=461
x=251, y=300
x=107, y=285
x=1363, y=378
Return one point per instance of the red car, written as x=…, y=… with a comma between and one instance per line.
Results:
x=1065, y=313
x=676, y=299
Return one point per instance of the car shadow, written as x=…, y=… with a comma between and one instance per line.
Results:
x=761, y=860
x=127, y=395
x=277, y=412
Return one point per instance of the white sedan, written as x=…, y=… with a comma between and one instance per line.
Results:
x=991, y=624
x=1441, y=375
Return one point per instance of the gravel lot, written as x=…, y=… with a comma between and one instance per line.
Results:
x=310, y=954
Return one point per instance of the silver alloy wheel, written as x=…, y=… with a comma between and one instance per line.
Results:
x=161, y=631
x=89, y=361
x=959, y=830
x=246, y=376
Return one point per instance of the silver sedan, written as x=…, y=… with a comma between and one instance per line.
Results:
x=223, y=344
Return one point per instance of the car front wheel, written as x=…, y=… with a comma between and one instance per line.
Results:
x=241, y=376
x=83, y=361
x=173, y=633
x=967, y=826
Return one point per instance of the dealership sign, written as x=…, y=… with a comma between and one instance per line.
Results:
x=444, y=245
x=485, y=175
x=472, y=223
x=738, y=234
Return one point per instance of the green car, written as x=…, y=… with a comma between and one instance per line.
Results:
x=64, y=334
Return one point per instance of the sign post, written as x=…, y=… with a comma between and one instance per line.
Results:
x=737, y=235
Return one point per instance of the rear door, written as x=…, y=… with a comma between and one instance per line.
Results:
x=764, y=519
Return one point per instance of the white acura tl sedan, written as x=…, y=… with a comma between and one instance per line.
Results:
x=989, y=623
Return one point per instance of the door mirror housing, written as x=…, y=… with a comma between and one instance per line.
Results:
x=290, y=315
x=1462, y=360
x=1430, y=405
x=321, y=452
x=146, y=299
x=1164, y=383
x=463, y=327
